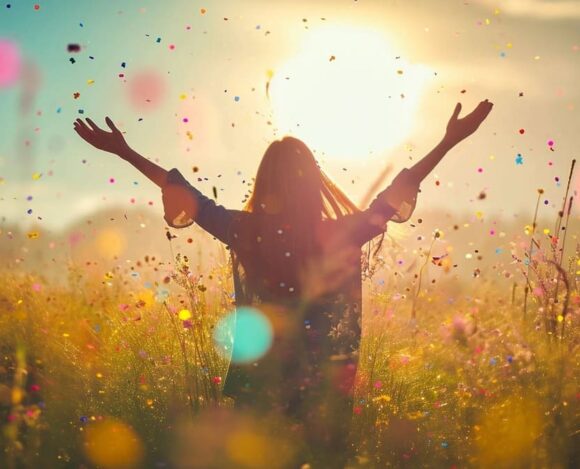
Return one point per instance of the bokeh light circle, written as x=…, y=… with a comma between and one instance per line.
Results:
x=245, y=333
x=112, y=444
x=10, y=63
x=146, y=90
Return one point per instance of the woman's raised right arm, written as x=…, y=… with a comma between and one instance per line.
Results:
x=114, y=142
x=183, y=203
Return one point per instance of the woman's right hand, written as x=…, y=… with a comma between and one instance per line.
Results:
x=112, y=142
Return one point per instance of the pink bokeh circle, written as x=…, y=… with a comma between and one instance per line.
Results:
x=10, y=63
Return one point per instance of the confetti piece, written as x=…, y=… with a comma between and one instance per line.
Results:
x=519, y=159
x=184, y=315
x=90, y=82
x=522, y=131
x=73, y=48
x=36, y=176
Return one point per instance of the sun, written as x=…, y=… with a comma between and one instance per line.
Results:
x=346, y=93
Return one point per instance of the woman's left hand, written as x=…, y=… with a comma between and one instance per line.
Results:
x=459, y=129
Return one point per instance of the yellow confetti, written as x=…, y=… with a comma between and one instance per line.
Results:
x=17, y=395
x=269, y=74
x=33, y=234
x=90, y=82
x=560, y=318
x=184, y=315
x=182, y=96
x=36, y=176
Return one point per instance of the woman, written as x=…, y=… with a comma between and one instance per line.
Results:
x=296, y=256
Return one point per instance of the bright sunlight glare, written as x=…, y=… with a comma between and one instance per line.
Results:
x=346, y=93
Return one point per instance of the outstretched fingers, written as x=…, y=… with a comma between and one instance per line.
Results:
x=82, y=125
x=456, y=111
x=484, y=109
x=82, y=129
x=112, y=125
x=94, y=126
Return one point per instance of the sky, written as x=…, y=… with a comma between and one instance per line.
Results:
x=208, y=85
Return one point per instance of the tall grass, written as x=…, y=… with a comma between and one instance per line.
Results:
x=466, y=385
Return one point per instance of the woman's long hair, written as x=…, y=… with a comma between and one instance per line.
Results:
x=290, y=183
x=290, y=186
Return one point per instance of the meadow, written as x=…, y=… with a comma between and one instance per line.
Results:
x=453, y=373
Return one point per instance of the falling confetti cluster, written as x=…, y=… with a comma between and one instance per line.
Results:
x=122, y=338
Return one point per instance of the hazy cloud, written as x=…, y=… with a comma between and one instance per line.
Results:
x=548, y=10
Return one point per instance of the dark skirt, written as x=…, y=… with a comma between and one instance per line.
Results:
x=314, y=356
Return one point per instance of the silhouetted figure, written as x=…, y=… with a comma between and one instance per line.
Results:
x=296, y=256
